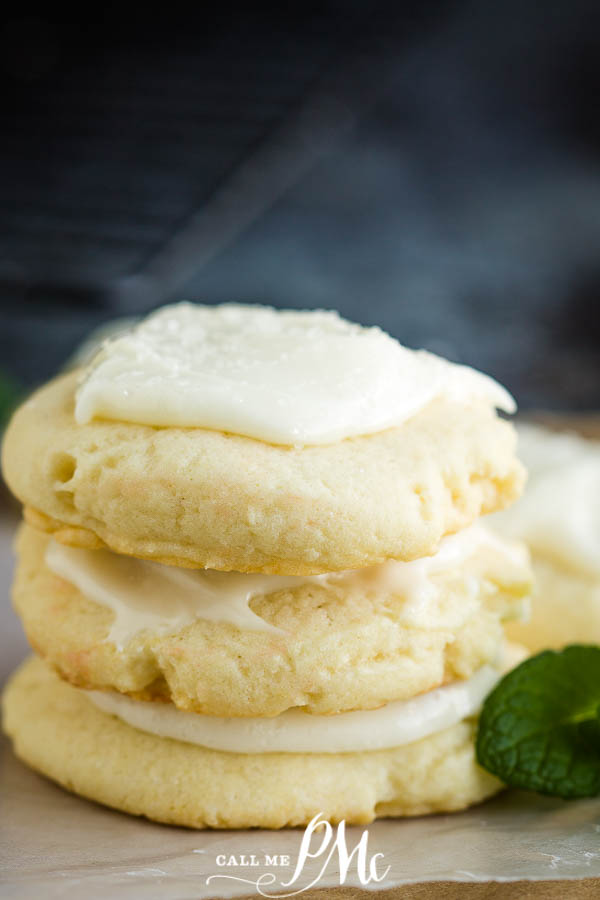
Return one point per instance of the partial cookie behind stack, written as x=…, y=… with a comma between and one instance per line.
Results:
x=559, y=519
x=358, y=602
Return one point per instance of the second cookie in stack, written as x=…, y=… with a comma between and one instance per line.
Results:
x=253, y=571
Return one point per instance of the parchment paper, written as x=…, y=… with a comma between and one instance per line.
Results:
x=55, y=845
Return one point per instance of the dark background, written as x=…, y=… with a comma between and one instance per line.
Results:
x=433, y=168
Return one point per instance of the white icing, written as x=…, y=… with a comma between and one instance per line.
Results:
x=294, y=731
x=284, y=377
x=147, y=595
x=164, y=599
x=559, y=513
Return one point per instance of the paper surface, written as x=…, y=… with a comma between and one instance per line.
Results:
x=56, y=845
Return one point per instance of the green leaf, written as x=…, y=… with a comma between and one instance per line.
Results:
x=539, y=729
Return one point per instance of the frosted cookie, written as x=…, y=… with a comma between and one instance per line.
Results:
x=255, y=645
x=342, y=448
x=260, y=571
x=559, y=518
x=60, y=732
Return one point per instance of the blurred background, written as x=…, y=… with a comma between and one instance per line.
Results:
x=433, y=168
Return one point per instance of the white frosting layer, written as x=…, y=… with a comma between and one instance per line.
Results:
x=284, y=377
x=164, y=599
x=559, y=514
x=147, y=595
x=295, y=731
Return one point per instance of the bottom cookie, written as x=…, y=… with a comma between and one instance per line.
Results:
x=57, y=730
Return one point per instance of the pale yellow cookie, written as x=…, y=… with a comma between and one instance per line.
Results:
x=200, y=498
x=559, y=518
x=340, y=646
x=58, y=731
x=565, y=608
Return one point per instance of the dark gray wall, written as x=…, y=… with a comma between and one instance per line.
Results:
x=437, y=173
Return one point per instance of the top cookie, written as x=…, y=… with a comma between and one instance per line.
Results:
x=195, y=497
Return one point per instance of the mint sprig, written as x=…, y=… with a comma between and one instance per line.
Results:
x=539, y=728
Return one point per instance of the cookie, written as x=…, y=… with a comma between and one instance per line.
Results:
x=59, y=732
x=559, y=518
x=200, y=498
x=333, y=646
x=565, y=609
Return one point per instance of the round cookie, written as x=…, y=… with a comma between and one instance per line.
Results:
x=559, y=518
x=58, y=731
x=200, y=498
x=339, y=648
x=565, y=609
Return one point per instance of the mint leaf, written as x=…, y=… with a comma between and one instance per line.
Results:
x=539, y=729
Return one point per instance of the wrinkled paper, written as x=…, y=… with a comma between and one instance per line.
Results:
x=56, y=845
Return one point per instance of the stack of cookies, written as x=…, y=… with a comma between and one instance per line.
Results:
x=253, y=573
